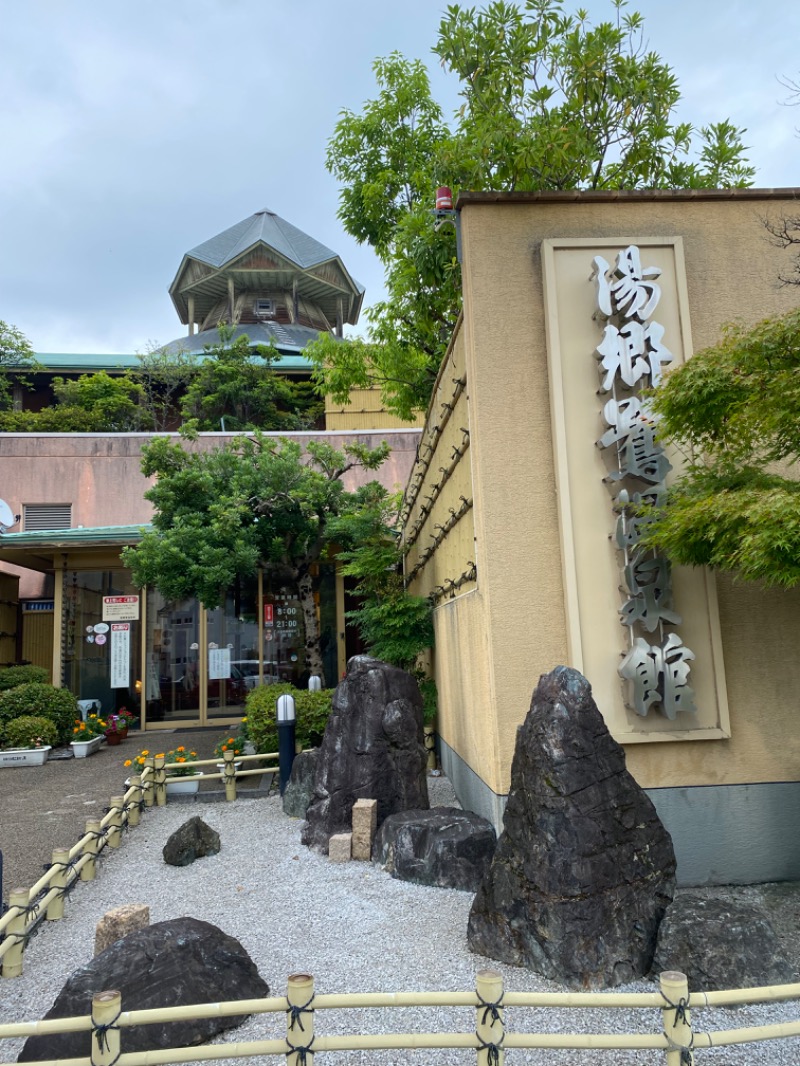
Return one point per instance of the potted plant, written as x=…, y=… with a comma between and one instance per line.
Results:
x=29, y=739
x=118, y=724
x=234, y=744
x=180, y=777
x=88, y=736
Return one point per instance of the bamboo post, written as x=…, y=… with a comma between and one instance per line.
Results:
x=489, y=1027
x=677, y=1024
x=160, y=778
x=12, y=960
x=133, y=805
x=115, y=822
x=149, y=794
x=230, y=775
x=300, y=1020
x=106, y=1008
x=55, y=909
x=89, y=869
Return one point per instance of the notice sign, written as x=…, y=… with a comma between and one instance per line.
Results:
x=120, y=654
x=219, y=663
x=269, y=616
x=120, y=608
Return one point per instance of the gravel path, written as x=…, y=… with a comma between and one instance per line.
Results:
x=352, y=926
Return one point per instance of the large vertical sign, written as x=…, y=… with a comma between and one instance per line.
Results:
x=632, y=354
x=120, y=654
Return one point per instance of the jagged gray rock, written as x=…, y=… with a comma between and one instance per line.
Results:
x=372, y=749
x=193, y=840
x=584, y=869
x=444, y=847
x=182, y=961
x=300, y=786
x=720, y=944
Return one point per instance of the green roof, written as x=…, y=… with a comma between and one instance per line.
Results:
x=69, y=362
x=78, y=536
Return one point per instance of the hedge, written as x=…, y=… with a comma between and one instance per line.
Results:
x=23, y=675
x=312, y=710
x=45, y=701
x=25, y=731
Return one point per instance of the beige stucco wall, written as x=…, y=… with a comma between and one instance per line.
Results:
x=365, y=410
x=521, y=630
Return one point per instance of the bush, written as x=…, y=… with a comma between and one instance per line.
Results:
x=29, y=731
x=312, y=710
x=45, y=701
x=23, y=675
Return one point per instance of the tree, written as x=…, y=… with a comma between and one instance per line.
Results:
x=253, y=503
x=164, y=377
x=91, y=403
x=15, y=354
x=549, y=102
x=735, y=409
x=235, y=386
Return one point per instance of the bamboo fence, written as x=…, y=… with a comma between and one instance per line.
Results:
x=44, y=901
x=490, y=1037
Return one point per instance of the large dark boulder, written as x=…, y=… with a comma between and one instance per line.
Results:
x=300, y=786
x=173, y=963
x=372, y=749
x=193, y=840
x=445, y=847
x=720, y=944
x=584, y=869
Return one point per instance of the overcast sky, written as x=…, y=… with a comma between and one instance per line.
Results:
x=133, y=130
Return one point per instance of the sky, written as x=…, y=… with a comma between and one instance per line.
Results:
x=133, y=130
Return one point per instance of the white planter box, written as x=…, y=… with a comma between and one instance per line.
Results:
x=82, y=748
x=183, y=786
x=25, y=756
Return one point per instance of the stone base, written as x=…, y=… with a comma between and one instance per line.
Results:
x=118, y=923
x=340, y=847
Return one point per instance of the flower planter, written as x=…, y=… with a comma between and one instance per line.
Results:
x=25, y=756
x=116, y=737
x=183, y=786
x=82, y=748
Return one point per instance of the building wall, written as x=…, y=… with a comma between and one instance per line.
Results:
x=516, y=619
x=365, y=410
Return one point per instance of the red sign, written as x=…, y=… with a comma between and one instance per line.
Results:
x=269, y=615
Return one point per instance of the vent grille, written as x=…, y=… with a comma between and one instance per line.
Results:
x=41, y=516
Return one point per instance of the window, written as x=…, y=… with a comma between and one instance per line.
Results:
x=36, y=516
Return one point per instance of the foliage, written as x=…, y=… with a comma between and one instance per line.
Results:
x=312, y=710
x=238, y=384
x=91, y=403
x=94, y=726
x=30, y=731
x=41, y=700
x=15, y=354
x=735, y=408
x=253, y=503
x=163, y=376
x=549, y=101
x=120, y=722
x=12, y=676
x=175, y=760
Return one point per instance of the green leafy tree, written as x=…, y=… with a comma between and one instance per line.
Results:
x=735, y=410
x=164, y=377
x=255, y=503
x=91, y=403
x=16, y=355
x=238, y=383
x=549, y=101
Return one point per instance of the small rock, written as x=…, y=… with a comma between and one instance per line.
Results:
x=340, y=847
x=300, y=786
x=193, y=840
x=445, y=847
x=120, y=922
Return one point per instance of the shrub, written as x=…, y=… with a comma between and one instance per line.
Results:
x=23, y=675
x=45, y=701
x=29, y=731
x=312, y=710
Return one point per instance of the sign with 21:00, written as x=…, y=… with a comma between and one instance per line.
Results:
x=120, y=608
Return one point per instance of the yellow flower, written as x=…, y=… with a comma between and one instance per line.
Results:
x=181, y=749
x=127, y=763
x=145, y=751
x=160, y=755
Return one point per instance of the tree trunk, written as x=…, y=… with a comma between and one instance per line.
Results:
x=311, y=622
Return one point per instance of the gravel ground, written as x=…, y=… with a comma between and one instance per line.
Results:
x=357, y=930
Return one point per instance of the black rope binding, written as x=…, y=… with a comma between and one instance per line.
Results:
x=101, y=1032
x=680, y=1008
x=294, y=1011
x=492, y=1050
x=302, y=1051
x=491, y=1009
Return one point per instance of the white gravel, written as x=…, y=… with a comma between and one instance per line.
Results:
x=352, y=926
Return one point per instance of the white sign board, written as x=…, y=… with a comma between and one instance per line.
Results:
x=120, y=608
x=219, y=663
x=120, y=654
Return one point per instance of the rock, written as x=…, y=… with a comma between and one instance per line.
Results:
x=300, y=786
x=444, y=846
x=584, y=869
x=720, y=945
x=193, y=840
x=365, y=823
x=340, y=847
x=372, y=749
x=120, y=922
x=173, y=963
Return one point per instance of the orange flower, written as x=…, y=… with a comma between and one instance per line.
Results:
x=127, y=763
